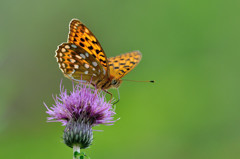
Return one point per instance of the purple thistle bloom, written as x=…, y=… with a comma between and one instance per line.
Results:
x=80, y=110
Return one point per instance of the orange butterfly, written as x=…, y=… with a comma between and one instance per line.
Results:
x=83, y=59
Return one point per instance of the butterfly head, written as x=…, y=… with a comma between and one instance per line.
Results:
x=115, y=83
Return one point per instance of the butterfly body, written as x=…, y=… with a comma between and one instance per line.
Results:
x=83, y=59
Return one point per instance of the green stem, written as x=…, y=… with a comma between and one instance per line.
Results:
x=76, y=150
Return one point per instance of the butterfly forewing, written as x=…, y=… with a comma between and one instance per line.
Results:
x=120, y=65
x=80, y=35
x=83, y=59
x=77, y=64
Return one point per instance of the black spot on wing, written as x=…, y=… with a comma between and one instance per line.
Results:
x=97, y=51
x=81, y=44
x=76, y=35
x=103, y=61
x=122, y=71
x=94, y=42
x=90, y=48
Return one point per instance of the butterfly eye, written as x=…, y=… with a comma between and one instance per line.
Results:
x=114, y=82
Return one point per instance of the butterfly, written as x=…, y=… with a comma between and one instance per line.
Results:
x=83, y=59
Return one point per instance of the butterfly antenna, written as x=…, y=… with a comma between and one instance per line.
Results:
x=152, y=81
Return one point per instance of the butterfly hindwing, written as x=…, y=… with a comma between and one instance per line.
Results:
x=77, y=64
x=120, y=65
x=80, y=35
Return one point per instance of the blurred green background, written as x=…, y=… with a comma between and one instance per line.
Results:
x=191, y=49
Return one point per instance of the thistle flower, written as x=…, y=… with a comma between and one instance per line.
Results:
x=80, y=110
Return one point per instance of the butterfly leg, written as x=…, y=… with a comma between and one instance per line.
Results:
x=112, y=95
x=118, y=96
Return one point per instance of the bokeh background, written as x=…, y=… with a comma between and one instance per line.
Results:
x=190, y=48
